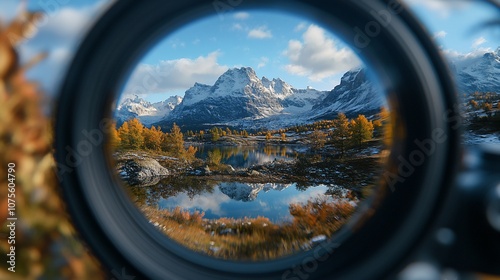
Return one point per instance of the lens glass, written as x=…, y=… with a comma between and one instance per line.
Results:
x=251, y=136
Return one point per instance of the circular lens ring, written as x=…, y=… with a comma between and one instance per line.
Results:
x=404, y=59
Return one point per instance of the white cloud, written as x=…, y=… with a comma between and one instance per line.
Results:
x=440, y=34
x=241, y=15
x=59, y=33
x=442, y=7
x=237, y=26
x=478, y=42
x=178, y=44
x=454, y=55
x=261, y=32
x=317, y=56
x=205, y=202
x=170, y=75
x=263, y=62
x=301, y=26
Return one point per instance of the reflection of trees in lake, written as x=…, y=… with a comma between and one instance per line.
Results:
x=271, y=150
x=283, y=151
x=171, y=186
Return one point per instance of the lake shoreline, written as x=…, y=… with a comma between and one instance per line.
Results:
x=304, y=170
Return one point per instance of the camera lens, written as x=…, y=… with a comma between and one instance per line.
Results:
x=244, y=167
x=345, y=205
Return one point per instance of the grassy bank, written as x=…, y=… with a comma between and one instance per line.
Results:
x=253, y=238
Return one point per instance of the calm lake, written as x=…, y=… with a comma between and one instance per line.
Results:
x=246, y=156
x=240, y=200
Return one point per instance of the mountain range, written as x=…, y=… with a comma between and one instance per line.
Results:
x=239, y=98
x=148, y=113
x=481, y=73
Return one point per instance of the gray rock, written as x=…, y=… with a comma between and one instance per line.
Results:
x=254, y=173
x=207, y=170
x=137, y=171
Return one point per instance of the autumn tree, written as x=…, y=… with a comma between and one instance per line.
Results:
x=190, y=153
x=317, y=139
x=269, y=136
x=283, y=137
x=487, y=107
x=176, y=141
x=216, y=134
x=123, y=134
x=214, y=157
x=152, y=138
x=341, y=134
x=362, y=130
x=131, y=134
x=114, y=136
x=474, y=104
x=135, y=134
x=385, y=118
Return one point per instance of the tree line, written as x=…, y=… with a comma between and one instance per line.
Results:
x=133, y=135
x=345, y=134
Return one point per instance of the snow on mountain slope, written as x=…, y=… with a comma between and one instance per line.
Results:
x=148, y=113
x=480, y=73
x=239, y=94
x=240, y=99
x=355, y=94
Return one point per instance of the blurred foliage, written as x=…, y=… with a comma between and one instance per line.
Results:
x=46, y=244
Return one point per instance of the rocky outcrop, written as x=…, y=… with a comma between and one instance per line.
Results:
x=135, y=171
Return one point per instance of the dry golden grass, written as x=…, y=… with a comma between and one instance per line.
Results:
x=252, y=238
x=46, y=246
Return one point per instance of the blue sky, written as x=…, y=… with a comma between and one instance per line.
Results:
x=457, y=27
x=275, y=45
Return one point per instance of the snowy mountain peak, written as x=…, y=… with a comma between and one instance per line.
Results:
x=266, y=82
x=479, y=73
x=239, y=94
x=134, y=102
x=146, y=112
x=238, y=76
